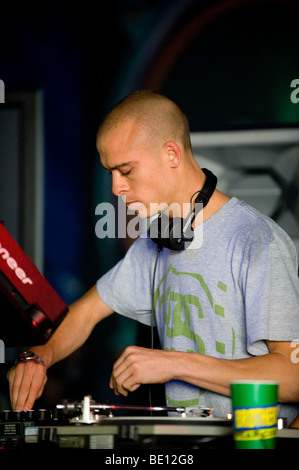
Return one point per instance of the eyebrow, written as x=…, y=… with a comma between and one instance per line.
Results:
x=121, y=165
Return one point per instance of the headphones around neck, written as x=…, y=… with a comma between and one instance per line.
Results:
x=176, y=233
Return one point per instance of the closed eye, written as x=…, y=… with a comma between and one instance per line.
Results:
x=121, y=168
x=123, y=173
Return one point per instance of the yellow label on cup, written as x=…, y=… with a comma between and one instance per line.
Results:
x=256, y=423
x=255, y=435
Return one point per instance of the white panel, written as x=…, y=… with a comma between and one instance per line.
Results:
x=260, y=167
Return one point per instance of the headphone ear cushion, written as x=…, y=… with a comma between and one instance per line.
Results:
x=155, y=229
x=169, y=232
x=160, y=228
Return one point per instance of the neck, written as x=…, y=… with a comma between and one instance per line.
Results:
x=196, y=181
x=191, y=182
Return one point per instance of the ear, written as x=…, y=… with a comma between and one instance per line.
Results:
x=173, y=154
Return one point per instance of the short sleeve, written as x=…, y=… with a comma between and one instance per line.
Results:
x=271, y=287
x=126, y=288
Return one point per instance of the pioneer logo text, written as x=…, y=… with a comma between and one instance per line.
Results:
x=19, y=272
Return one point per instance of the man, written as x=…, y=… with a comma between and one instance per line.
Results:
x=225, y=311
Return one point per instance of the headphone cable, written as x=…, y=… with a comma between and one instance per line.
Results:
x=153, y=316
x=153, y=299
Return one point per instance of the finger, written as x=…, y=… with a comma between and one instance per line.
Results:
x=15, y=380
x=11, y=379
x=126, y=354
x=119, y=363
x=122, y=377
x=111, y=382
x=123, y=363
x=36, y=389
x=117, y=387
x=118, y=377
x=130, y=384
x=117, y=390
x=126, y=381
x=28, y=380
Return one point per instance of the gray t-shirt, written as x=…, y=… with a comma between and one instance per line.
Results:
x=222, y=299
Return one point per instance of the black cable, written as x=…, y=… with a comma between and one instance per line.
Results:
x=153, y=300
x=153, y=317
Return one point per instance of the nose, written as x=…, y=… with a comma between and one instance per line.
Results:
x=119, y=184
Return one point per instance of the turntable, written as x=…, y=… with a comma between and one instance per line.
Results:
x=89, y=425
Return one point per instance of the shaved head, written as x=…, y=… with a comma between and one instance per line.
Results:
x=158, y=119
x=144, y=143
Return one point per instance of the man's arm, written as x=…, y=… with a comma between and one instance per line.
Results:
x=27, y=379
x=138, y=366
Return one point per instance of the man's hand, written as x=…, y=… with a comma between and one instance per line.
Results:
x=27, y=379
x=26, y=384
x=138, y=366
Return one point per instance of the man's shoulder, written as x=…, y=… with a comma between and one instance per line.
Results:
x=261, y=227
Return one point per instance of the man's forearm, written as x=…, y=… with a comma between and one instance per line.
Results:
x=138, y=365
x=27, y=379
x=74, y=329
x=68, y=337
x=216, y=374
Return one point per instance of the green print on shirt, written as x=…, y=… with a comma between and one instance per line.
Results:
x=182, y=320
x=180, y=327
x=182, y=305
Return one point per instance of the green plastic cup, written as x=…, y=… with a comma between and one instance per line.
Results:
x=255, y=408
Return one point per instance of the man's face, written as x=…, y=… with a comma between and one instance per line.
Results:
x=138, y=169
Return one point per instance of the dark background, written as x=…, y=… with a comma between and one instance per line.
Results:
x=229, y=64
